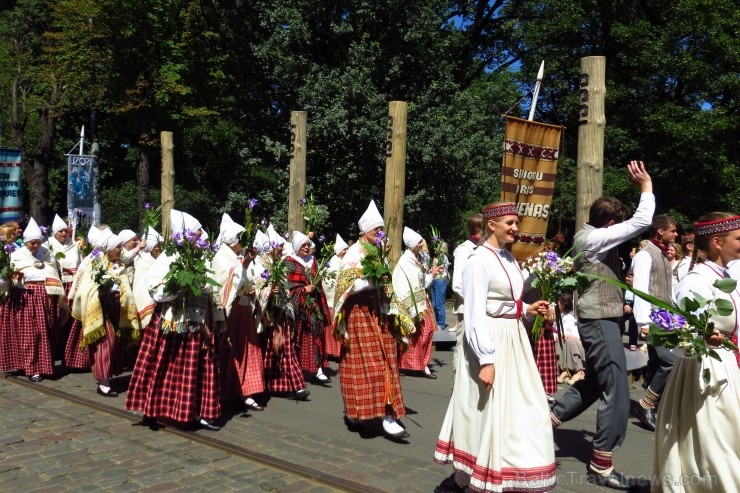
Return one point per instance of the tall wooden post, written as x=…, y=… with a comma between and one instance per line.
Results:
x=297, y=186
x=395, y=177
x=168, y=181
x=591, y=123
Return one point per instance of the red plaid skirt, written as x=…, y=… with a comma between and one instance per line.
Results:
x=108, y=354
x=312, y=349
x=74, y=357
x=26, y=326
x=283, y=372
x=416, y=357
x=546, y=359
x=368, y=369
x=333, y=346
x=176, y=375
x=240, y=355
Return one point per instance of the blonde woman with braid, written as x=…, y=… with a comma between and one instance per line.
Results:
x=697, y=438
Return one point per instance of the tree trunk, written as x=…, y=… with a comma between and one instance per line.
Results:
x=142, y=184
x=36, y=168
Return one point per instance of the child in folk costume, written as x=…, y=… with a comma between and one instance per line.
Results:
x=67, y=253
x=30, y=315
x=368, y=370
x=240, y=354
x=176, y=374
x=497, y=432
x=311, y=310
x=276, y=319
x=696, y=437
x=410, y=282
x=104, y=305
x=329, y=284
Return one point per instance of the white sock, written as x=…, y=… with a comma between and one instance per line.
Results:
x=427, y=370
x=104, y=388
x=249, y=401
x=391, y=426
x=320, y=372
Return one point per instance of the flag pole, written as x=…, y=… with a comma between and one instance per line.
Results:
x=536, y=92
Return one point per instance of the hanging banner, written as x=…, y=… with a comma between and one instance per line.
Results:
x=11, y=191
x=531, y=151
x=81, y=171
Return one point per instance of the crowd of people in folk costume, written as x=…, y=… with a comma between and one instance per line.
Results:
x=247, y=336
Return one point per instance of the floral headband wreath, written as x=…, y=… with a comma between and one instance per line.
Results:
x=717, y=227
x=499, y=210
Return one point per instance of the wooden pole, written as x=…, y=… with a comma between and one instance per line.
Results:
x=591, y=123
x=395, y=177
x=168, y=181
x=297, y=186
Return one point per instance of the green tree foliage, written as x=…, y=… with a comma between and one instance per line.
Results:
x=224, y=77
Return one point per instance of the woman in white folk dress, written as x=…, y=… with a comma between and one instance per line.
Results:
x=497, y=432
x=697, y=438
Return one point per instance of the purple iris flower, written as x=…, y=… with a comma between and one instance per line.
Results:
x=326, y=264
x=178, y=239
x=265, y=275
x=147, y=205
x=303, y=201
x=190, y=235
x=10, y=248
x=202, y=243
x=667, y=320
x=322, y=238
x=95, y=253
x=274, y=245
x=252, y=203
x=44, y=229
x=379, y=237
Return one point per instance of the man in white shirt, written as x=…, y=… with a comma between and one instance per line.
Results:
x=460, y=258
x=653, y=275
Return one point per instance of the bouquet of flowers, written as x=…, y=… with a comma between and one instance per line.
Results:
x=688, y=325
x=327, y=252
x=553, y=276
x=375, y=269
x=6, y=269
x=375, y=264
x=436, y=246
x=314, y=214
x=152, y=215
x=189, y=271
x=251, y=225
x=101, y=275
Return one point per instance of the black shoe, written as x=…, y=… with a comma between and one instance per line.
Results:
x=396, y=437
x=614, y=480
x=150, y=423
x=110, y=392
x=36, y=378
x=321, y=379
x=646, y=417
x=207, y=425
x=448, y=485
x=354, y=426
x=302, y=395
x=254, y=407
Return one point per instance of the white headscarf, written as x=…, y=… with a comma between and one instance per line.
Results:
x=230, y=231
x=180, y=222
x=32, y=231
x=410, y=237
x=339, y=245
x=274, y=237
x=58, y=224
x=153, y=238
x=111, y=242
x=126, y=235
x=299, y=239
x=261, y=242
x=371, y=219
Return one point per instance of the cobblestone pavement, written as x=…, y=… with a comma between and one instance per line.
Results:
x=50, y=444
